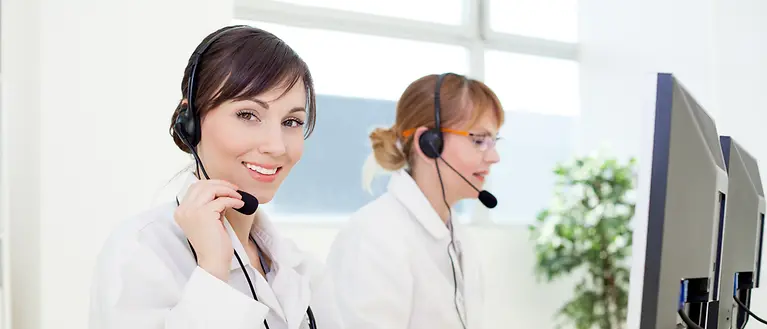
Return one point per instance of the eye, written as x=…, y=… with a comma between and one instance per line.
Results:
x=479, y=140
x=247, y=115
x=293, y=123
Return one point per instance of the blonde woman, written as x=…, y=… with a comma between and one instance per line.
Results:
x=400, y=262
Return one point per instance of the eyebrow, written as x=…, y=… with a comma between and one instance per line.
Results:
x=483, y=131
x=265, y=105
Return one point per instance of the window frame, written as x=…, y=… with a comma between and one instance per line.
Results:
x=474, y=33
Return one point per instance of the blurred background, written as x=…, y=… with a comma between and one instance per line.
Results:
x=88, y=89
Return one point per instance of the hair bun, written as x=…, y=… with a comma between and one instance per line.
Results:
x=385, y=149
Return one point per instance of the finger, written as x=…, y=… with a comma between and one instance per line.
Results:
x=224, y=183
x=192, y=192
x=197, y=191
x=221, y=204
x=211, y=192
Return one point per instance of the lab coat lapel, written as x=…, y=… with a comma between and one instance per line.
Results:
x=472, y=293
x=404, y=188
x=473, y=283
x=265, y=295
x=290, y=281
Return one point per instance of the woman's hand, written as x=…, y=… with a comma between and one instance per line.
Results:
x=200, y=216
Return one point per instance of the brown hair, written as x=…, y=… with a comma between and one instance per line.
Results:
x=240, y=64
x=461, y=100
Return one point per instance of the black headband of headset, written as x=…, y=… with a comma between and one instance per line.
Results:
x=189, y=119
x=196, y=56
x=437, y=99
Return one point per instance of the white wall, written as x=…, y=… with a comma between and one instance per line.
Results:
x=79, y=77
x=20, y=117
x=717, y=48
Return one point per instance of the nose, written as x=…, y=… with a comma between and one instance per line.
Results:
x=492, y=156
x=271, y=141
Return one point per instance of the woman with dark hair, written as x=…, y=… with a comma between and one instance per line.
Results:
x=208, y=258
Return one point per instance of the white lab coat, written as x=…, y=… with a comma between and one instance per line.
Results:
x=390, y=267
x=147, y=278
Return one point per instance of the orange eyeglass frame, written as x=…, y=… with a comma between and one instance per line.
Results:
x=411, y=131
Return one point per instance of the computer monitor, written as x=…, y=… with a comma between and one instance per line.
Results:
x=744, y=222
x=680, y=206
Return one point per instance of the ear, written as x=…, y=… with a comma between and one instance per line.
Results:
x=417, y=145
x=184, y=102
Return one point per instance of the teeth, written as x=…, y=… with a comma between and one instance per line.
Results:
x=261, y=170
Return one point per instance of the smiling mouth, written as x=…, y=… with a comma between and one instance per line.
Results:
x=266, y=171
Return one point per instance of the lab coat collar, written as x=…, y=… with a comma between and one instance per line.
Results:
x=403, y=187
x=291, y=277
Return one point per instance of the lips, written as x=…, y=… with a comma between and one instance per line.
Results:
x=262, y=172
x=480, y=175
x=262, y=169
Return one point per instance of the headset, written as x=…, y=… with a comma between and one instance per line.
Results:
x=188, y=128
x=432, y=144
x=188, y=121
x=431, y=141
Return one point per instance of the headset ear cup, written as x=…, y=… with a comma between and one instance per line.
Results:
x=185, y=125
x=193, y=128
x=431, y=144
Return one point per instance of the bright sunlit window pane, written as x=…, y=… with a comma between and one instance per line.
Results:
x=548, y=19
x=533, y=84
x=363, y=66
x=436, y=11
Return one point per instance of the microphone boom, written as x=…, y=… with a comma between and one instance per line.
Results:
x=486, y=198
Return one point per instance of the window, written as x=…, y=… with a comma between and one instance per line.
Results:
x=548, y=19
x=327, y=184
x=533, y=84
x=435, y=11
x=359, y=77
x=540, y=96
x=349, y=64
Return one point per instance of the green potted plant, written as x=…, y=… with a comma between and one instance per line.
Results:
x=586, y=232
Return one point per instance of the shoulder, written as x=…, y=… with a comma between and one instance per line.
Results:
x=140, y=257
x=144, y=235
x=380, y=226
x=382, y=215
x=156, y=222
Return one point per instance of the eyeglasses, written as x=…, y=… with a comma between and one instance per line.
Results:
x=482, y=142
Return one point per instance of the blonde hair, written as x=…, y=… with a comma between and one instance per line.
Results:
x=462, y=100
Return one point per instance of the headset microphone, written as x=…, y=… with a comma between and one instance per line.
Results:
x=251, y=203
x=487, y=198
